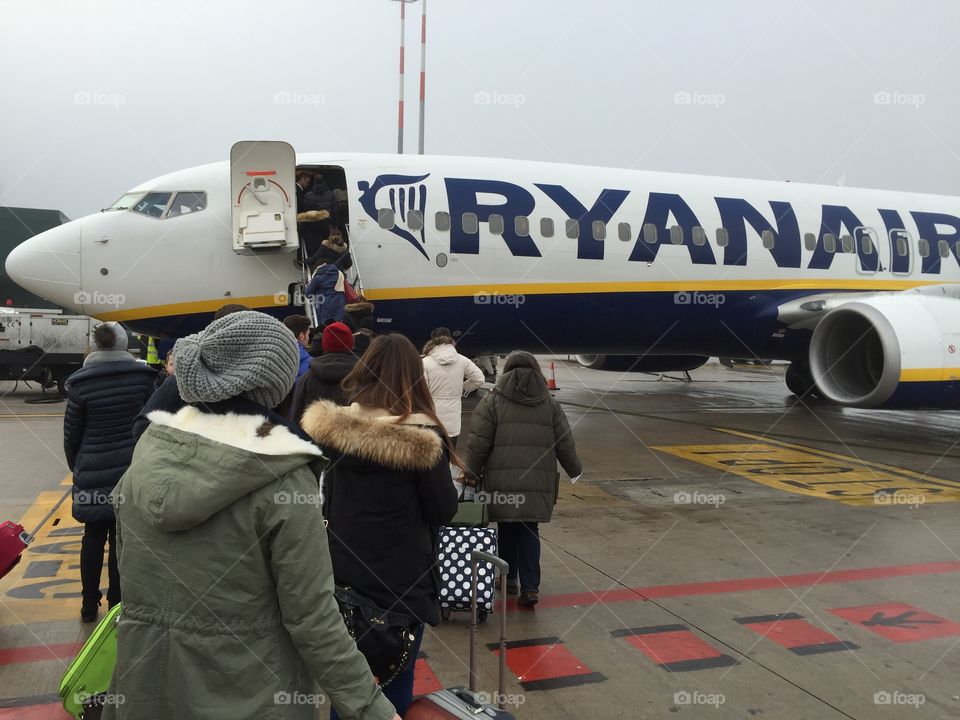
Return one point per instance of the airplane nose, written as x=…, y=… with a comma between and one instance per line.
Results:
x=48, y=264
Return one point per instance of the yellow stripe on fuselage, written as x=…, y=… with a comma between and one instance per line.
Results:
x=560, y=288
x=410, y=293
x=930, y=375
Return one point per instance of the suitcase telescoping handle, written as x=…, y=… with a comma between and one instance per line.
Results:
x=476, y=557
x=28, y=538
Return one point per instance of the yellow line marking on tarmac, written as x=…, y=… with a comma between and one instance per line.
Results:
x=818, y=473
x=45, y=585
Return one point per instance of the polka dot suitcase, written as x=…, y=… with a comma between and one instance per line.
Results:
x=454, y=547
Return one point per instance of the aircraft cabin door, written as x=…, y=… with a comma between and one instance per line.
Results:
x=264, y=197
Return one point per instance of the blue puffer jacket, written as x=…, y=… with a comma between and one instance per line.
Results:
x=322, y=290
x=102, y=402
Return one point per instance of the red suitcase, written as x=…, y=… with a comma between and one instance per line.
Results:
x=459, y=703
x=14, y=539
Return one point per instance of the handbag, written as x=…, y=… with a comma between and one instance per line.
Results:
x=384, y=637
x=472, y=509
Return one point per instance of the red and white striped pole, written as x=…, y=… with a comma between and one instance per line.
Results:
x=403, y=16
x=423, y=70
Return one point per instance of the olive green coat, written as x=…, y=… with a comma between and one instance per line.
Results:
x=228, y=608
x=518, y=432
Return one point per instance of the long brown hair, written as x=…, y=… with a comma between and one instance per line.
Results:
x=389, y=376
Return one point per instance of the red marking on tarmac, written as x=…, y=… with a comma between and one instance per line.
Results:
x=546, y=664
x=675, y=648
x=899, y=622
x=791, y=631
x=424, y=679
x=47, y=711
x=716, y=587
x=34, y=653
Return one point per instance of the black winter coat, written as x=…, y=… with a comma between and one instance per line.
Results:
x=167, y=398
x=322, y=382
x=387, y=490
x=518, y=432
x=102, y=402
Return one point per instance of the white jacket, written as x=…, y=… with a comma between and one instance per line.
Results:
x=450, y=375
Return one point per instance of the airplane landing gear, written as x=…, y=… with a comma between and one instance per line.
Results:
x=800, y=381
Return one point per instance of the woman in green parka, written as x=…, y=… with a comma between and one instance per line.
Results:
x=228, y=607
x=518, y=433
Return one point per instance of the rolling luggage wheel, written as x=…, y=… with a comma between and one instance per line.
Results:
x=481, y=615
x=445, y=613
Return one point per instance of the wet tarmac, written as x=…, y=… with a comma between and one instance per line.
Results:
x=730, y=552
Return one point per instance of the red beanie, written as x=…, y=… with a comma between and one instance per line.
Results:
x=337, y=338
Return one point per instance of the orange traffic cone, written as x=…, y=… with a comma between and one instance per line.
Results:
x=552, y=381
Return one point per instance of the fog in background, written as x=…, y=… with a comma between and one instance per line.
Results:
x=98, y=96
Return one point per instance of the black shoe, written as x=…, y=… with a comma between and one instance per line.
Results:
x=88, y=613
x=513, y=588
x=528, y=599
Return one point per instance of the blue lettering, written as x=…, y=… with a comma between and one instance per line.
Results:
x=603, y=209
x=834, y=219
x=462, y=198
x=892, y=221
x=659, y=209
x=735, y=213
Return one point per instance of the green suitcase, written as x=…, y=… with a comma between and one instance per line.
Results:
x=90, y=672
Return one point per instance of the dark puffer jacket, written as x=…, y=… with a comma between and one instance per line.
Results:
x=518, y=432
x=102, y=402
x=322, y=382
x=387, y=490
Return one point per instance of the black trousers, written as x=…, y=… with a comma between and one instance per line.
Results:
x=95, y=537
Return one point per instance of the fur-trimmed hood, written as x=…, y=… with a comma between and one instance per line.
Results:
x=361, y=306
x=371, y=434
x=214, y=460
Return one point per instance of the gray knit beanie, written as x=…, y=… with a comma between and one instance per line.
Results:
x=118, y=341
x=248, y=354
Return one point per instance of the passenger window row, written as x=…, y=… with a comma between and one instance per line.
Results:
x=470, y=224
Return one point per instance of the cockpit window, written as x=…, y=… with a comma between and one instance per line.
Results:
x=187, y=202
x=153, y=204
x=126, y=201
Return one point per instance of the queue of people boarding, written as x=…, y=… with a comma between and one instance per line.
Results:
x=281, y=487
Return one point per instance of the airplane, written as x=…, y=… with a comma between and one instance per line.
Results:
x=858, y=289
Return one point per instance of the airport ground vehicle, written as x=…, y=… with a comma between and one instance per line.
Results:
x=42, y=345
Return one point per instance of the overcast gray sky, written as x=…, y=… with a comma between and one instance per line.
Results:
x=98, y=96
